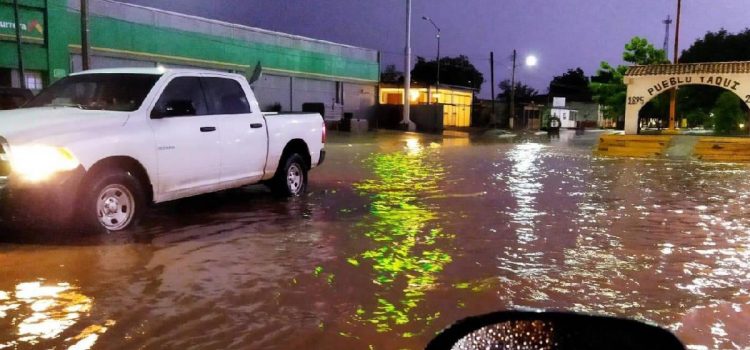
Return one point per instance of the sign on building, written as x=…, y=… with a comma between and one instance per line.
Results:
x=558, y=102
x=32, y=24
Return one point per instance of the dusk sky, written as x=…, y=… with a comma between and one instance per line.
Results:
x=562, y=33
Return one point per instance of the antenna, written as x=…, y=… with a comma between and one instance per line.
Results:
x=667, y=22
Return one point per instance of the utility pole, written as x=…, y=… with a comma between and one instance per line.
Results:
x=85, y=55
x=407, y=71
x=513, y=91
x=429, y=19
x=492, y=87
x=673, y=97
x=437, y=86
x=667, y=22
x=19, y=49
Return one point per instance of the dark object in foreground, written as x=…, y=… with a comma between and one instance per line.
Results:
x=553, y=126
x=12, y=98
x=516, y=330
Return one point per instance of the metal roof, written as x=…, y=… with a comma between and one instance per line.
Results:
x=690, y=68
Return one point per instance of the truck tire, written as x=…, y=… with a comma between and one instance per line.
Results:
x=113, y=201
x=291, y=178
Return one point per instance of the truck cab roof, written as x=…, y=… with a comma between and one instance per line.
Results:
x=153, y=71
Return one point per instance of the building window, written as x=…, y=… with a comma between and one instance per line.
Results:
x=339, y=92
x=34, y=80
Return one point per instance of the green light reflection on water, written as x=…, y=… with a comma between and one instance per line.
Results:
x=405, y=259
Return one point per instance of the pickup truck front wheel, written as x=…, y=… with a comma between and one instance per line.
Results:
x=114, y=202
x=291, y=178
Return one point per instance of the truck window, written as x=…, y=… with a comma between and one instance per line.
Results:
x=225, y=96
x=183, y=97
x=102, y=91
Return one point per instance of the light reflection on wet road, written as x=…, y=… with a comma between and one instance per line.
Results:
x=400, y=236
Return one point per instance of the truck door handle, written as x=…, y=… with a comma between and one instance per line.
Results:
x=256, y=125
x=208, y=129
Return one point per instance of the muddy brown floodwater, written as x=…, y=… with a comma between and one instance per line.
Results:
x=399, y=236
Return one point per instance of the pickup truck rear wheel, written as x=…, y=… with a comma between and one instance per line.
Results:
x=291, y=178
x=114, y=202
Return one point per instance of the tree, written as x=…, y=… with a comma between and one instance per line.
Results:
x=608, y=87
x=523, y=91
x=639, y=51
x=391, y=75
x=698, y=118
x=727, y=114
x=573, y=84
x=456, y=71
x=720, y=46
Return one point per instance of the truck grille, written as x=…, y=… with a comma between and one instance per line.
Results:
x=4, y=162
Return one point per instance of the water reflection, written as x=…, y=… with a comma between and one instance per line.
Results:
x=38, y=312
x=406, y=239
x=522, y=262
x=525, y=182
x=635, y=239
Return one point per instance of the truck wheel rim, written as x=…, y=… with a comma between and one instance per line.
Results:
x=115, y=207
x=294, y=178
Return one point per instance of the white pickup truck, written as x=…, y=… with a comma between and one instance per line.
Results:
x=100, y=146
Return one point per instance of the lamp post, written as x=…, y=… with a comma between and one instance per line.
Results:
x=437, y=84
x=407, y=72
x=673, y=95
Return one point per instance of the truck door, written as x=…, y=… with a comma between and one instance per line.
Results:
x=244, y=141
x=187, y=140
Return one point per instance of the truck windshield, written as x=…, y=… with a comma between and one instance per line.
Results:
x=101, y=91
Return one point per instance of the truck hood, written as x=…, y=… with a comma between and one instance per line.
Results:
x=55, y=124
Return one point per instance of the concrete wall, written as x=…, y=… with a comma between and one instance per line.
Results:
x=360, y=99
x=587, y=111
x=313, y=91
x=428, y=118
x=272, y=89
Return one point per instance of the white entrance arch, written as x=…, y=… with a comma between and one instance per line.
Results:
x=646, y=82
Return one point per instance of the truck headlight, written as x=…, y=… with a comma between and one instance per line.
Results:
x=39, y=162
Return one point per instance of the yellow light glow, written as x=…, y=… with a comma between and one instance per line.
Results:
x=413, y=146
x=414, y=95
x=742, y=126
x=38, y=162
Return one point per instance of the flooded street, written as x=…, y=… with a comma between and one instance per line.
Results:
x=400, y=235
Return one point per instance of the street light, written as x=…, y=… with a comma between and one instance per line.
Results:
x=437, y=84
x=530, y=61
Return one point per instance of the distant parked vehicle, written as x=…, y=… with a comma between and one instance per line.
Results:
x=12, y=98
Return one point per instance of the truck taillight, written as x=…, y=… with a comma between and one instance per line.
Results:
x=324, y=136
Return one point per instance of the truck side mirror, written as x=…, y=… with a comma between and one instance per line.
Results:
x=173, y=108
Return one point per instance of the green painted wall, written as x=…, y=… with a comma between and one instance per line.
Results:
x=63, y=30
